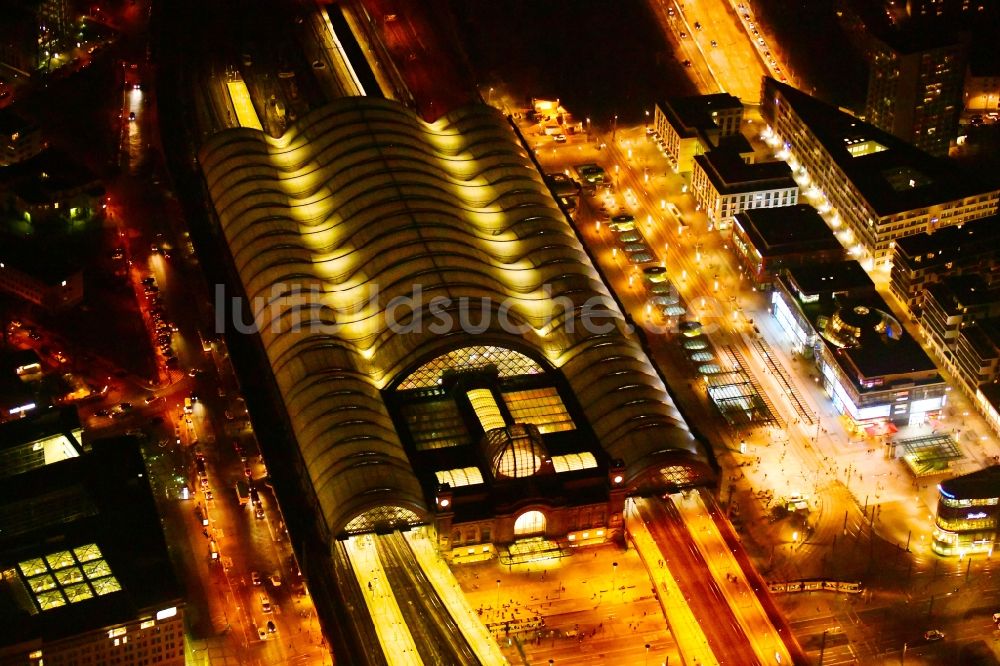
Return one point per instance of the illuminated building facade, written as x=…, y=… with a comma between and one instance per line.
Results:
x=725, y=186
x=967, y=513
x=879, y=188
x=32, y=32
x=924, y=259
x=85, y=577
x=868, y=364
x=959, y=322
x=392, y=243
x=915, y=89
x=768, y=240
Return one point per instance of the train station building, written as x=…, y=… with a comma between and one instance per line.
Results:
x=445, y=350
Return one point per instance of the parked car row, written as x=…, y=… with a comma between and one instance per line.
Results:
x=162, y=329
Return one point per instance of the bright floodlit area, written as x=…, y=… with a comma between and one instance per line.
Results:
x=580, y=609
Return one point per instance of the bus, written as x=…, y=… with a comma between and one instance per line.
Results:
x=242, y=492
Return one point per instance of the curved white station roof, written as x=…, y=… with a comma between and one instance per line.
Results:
x=361, y=201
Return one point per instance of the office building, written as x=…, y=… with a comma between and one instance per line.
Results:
x=967, y=513
x=32, y=32
x=86, y=577
x=690, y=126
x=923, y=259
x=725, y=186
x=20, y=373
x=769, y=240
x=20, y=139
x=45, y=281
x=873, y=371
x=915, y=88
x=958, y=321
x=877, y=187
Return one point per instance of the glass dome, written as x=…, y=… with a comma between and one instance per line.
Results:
x=515, y=451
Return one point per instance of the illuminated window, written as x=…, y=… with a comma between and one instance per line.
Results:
x=678, y=475
x=574, y=461
x=530, y=522
x=382, y=517
x=507, y=362
x=435, y=424
x=486, y=408
x=147, y=624
x=465, y=476
x=515, y=452
x=166, y=613
x=540, y=407
x=68, y=576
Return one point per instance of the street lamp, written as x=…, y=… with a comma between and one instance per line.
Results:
x=647, y=654
x=614, y=572
x=498, y=595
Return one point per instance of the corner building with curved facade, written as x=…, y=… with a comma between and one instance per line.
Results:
x=444, y=348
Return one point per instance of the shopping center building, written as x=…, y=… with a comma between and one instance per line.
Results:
x=967, y=513
x=872, y=369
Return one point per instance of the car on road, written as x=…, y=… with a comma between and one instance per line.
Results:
x=714, y=43
x=272, y=628
x=933, y=635
x=697, y=25
x=275, y=579
x=687, y=63
x=153, y=398
x=683, y=35
x=261, y=633
x=255, y=578
x=319, y=64
x=559, y=138
x=265, y=604
x=247, y=60
x=131, y=116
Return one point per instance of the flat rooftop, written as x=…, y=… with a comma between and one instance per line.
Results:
x=81, y=546
x=982, y=484
x=848, y=276
x=956, y=292
x=856, y=324
x=729, y=174
x=688, y=114
x=787, y=230
x=984, y=337
x=11, y=122
x=951, y=244
x=890, y=174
